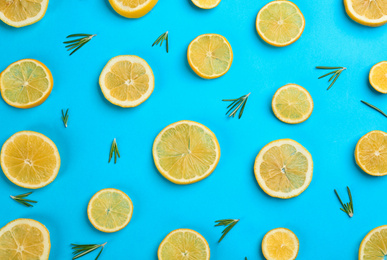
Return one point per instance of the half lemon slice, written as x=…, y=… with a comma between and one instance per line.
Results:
x=378, y=77
x=367, y=12
x=206, y=4
x=280, y=244
x=133, y=8
x=374, y=244
x=19, y=13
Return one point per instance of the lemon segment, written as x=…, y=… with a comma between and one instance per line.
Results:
x=280, y=244
x=283, y=168
x=371, y=153
x=374, y=244
x=110, y=210
x=367, y=12
x=133, y=8
x=184, y=244
x=127, y=81
x=210, y=56
x=378, y=77
x=20, y=13
x=206, y=4
x=25, y=239
x=292, y=104
x=186, y=152
x=280, y=23
x=30, y=160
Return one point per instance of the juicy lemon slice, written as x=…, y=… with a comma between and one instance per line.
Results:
x=127, y=81
x=280, y=244
x=210, y=55
x=184, y=244
x=133, y=8
x=374, y=244
x=292, y=104
x=110, y=210
x=280, y=23
x=367, y=12
x=26, y=83
x=25, y=239
x=186, y=152
x=19, y=13
x=206, y=4
x=30, y=160
x=283, y=168
x=378, y=77
x=371, y=153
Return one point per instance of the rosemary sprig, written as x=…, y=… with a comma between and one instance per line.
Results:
x=114, y=151
x=238, y=103
x=81, y=250
x=163, y=37
x=228, y=223
x=22, y=199
x=65, y=117
x=79, y=42
x=336, y=73
x=372, y=106
x=348, y=207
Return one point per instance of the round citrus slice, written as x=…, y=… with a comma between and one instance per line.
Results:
x=133, y=8
x=283, y=168
x=374, y=244
x=378, y=77
x=186, y=152
x=19, y=13
x=371, y=153
x=280, y=244
x=292, y=104
x=127, y=81
x=210, y=55
x=280, y=23
x=25, y=239
x=110, y=210
x=30, y=160
x=184, y=244
x=26, y=83
x=367, y=12
x=206, y=4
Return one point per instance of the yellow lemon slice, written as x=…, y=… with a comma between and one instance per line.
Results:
x=378, y=77
x=206, y=4
x=110, y=210
x=30, y=160
x=184, y=244
x=19, y=13
x=210, y=55
x=280, y=244
x=374, y=244
x=367, y=12
x=283, y=168
x=280, y=23
x=292, y=104
x=186, y=152
x=26, y=83
x=371, y=153
x=25, y=239
x=127, y=81
x=133, y=8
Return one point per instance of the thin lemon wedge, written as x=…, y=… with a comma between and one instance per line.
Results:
x=378, y=77
x=206, y=4
x=133, y=8
x=20, y=13
x=374, y=244
x=367, y=12
x=280, y=244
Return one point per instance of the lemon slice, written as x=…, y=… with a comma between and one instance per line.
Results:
x=378, y=77
x=367, y=12
x=206, y=4
x=292, y=104
x=283, y=168
x=20, y=13
x=210, y=55
x=25, y=239
x=133, y=8
x=184, y=244
x=110, y=210
x=26, y=83
x=374, y=244
x=371, y=153
x=280, y=23
x=127, y=81
x=30, y=160
x=186, y=152
x=280, y=244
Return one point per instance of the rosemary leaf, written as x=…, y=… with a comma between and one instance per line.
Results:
x=372, y=106
x=114, y=151
x=228, y=224
x=81, y=250
x=348, y=207
x=22, y=199
x=336, y=73
x=65, y=117
x=163, y=37
x=238, y=103
x=79, y=42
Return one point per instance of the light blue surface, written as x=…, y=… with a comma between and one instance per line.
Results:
x=330, y=38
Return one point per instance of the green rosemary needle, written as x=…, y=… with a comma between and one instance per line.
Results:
x=79, y=42
x=372, y=106
x=336, y=73
x=22, y=199
x=161, y=39
x=81, y=250
x=238, y=103
x=65, y=117
x=114, y=151
x=348, y=207
x=228, y=223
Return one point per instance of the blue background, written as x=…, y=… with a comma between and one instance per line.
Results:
x=330, y=38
